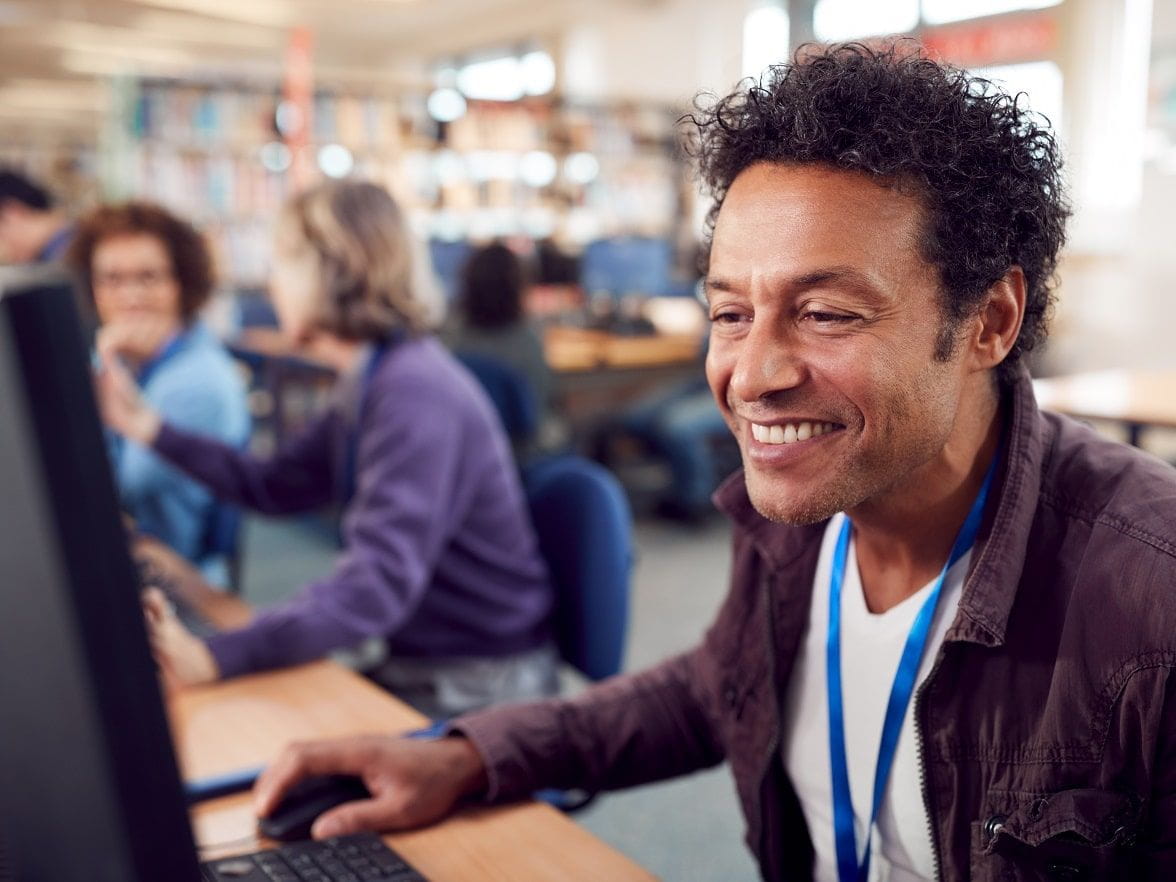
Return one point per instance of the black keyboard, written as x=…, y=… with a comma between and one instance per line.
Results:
x=362, y=857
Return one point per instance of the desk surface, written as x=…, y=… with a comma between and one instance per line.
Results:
x=1139, y=397
x=567, y=349
x=246, y=721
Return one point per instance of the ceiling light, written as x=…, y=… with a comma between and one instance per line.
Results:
x=335, y=160
x=446, y=105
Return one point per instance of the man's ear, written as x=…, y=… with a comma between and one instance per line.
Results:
x=999, y=320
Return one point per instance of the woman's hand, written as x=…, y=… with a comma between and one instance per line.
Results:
x=135, y=338
x=184, y=659
x=122, y=404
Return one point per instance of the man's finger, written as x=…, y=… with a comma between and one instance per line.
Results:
x=156, y=605
x=354, y=817
x=299, y=761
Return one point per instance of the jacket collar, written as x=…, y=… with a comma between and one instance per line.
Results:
x=1002, y=545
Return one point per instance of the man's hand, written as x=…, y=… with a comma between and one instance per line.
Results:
x=184, y=658
x=413, y=783
x=122, y=405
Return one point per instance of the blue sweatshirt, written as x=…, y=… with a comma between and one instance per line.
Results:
x=194, y=385
x=439, y=553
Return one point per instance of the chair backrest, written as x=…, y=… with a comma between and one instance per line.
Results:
x=585, y=532
x=222, y=530
x=509, y=390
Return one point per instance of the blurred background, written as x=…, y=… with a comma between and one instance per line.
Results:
x=550, y=126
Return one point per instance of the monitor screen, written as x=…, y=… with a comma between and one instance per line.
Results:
x=88, y=783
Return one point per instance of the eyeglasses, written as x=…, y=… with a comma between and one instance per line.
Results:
x=149, y=279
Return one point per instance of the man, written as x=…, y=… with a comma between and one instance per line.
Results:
x=32, y=230
x=884, y=236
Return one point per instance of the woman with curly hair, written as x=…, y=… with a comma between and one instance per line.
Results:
x=148, y=273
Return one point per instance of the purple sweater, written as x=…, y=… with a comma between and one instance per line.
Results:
x=439, y=553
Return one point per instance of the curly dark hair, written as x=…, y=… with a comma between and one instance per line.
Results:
x=492, y=283
x=190, y=258
x=987, y=169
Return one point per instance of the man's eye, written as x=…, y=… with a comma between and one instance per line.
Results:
x=726, y=318
x=828, y=317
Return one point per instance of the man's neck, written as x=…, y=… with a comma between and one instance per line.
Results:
x=903, y=538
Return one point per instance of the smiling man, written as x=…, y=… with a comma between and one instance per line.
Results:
x=948, y=647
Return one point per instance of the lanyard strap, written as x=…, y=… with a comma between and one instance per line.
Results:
x=169, y=348
x=848, y=868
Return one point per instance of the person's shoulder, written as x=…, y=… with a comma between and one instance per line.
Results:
x=420, y=371
x=202, y=370
x=1112, y=485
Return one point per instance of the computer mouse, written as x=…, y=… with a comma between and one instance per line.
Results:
x=293, y=817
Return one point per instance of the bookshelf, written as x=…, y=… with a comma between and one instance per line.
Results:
x=212, y=152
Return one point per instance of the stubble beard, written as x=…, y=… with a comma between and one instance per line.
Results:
x=862, y=474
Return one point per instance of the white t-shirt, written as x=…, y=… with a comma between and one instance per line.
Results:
x=871, y=646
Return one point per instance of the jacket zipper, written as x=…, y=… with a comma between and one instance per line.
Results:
x=920, y=725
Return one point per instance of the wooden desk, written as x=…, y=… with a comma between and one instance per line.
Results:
x=246, y=721
x=565, y=348
x=1135, y=399
x=570, y=349
x=595, y=372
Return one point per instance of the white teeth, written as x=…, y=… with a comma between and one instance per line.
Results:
x=789, y=432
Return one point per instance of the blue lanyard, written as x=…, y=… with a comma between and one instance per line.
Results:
x=848, y=869
x=171, y=346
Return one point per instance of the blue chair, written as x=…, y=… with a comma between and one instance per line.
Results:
x=510, y=392
x=585, y=532
x=222, y=538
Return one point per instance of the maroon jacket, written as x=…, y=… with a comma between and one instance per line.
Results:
x=1047, y=724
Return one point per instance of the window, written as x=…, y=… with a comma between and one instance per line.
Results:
x=1041, y=81
x=852, y=19
x=765, y=39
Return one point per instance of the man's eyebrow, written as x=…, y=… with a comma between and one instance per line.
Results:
x=843, y=275
x=712, y=283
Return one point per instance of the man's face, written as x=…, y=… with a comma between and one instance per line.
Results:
x=825, y=322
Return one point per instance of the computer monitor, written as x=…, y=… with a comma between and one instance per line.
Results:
x=89, y=789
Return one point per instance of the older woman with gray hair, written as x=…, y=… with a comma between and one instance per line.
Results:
x=439, y=555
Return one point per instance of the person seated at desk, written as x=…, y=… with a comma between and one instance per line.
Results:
x=32, y=228
x=147, y=274
x=680, y=423
x=948, y=650
x=490, y=321
x=439, y=554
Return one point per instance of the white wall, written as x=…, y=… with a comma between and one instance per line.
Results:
x=663, y=51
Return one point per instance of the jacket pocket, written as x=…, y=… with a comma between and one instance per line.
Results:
x=1084, y=835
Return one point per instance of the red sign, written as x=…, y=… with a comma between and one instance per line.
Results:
x=298, y=101
x=1003, y=40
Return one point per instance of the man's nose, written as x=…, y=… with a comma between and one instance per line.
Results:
x=767, y=362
